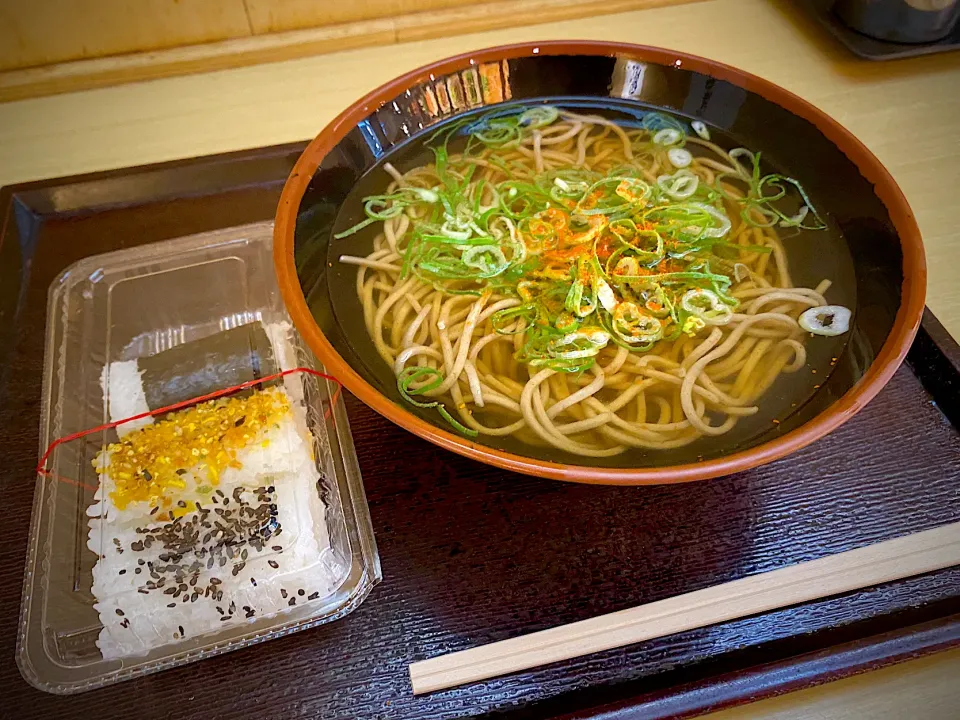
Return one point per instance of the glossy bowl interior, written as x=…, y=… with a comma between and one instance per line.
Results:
x=847, y=183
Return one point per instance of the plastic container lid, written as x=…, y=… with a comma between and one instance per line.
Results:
x=190, y=532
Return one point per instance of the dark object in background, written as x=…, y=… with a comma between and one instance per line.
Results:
x=903, y=21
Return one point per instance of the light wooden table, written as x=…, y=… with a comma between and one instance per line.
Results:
x=907, y=112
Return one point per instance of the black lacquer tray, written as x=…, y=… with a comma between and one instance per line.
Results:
x=473, y=554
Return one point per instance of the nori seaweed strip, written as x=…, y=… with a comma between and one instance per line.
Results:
x=196, y=368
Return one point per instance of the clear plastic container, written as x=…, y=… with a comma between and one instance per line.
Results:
x=288, y=546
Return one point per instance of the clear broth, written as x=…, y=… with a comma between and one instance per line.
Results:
x=813, y=255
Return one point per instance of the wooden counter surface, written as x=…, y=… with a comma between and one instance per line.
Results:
x=907, y=112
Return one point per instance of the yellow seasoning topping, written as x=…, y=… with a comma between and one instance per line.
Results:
x=147, y=465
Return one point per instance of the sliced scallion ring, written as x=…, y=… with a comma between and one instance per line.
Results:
x=706, y=305
x=679, y=186
x=679, y=157
x=724, y=222
x=538, y=117
x=668, y=136
x=828, y=320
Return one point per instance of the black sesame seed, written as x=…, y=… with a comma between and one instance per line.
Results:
x=283, y=593
x=313, y=596
x=154, y=511
x=276, y=548
x=170, y=591
x=180, y=628
x=142, y=591
x=181, y=471
x=138, y=570
x=119, y=612
x=253, y=582
x=273, y=564
x=181, y=503
x=301, y=592
x=239, y=421
x=123, y=572
x=146, y=475
x=293, y=601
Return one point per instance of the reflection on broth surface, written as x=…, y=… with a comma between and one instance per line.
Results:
x=592, y=279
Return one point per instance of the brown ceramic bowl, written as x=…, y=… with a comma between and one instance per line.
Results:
x=847, y=183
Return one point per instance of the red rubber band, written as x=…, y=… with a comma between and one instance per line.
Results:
x=42, y=465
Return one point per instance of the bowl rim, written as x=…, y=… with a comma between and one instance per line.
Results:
x=885, y=364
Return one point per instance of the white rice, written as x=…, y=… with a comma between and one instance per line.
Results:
x=242, y=585
x=123, y=389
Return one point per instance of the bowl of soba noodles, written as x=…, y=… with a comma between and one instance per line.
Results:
x=600, y=262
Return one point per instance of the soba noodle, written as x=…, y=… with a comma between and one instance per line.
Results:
x=585, y=285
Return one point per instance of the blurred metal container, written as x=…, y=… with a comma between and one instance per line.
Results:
x=904, y=21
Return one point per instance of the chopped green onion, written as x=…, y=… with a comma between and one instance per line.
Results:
x=434, y=378
x=679, y=157
x=591, y=258
x=668, y=136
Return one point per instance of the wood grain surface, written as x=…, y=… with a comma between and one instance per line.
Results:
x=54, y=31
x=268, y=16
x=907, y=112
x=271, y=31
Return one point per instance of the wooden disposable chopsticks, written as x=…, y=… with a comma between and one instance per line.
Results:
x=871, y=565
